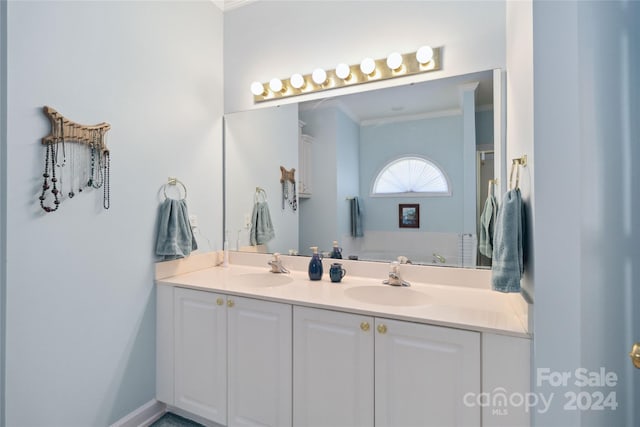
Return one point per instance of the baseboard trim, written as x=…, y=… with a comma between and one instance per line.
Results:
x=144, y=416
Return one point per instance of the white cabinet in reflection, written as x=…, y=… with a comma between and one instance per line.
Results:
x=332, y=368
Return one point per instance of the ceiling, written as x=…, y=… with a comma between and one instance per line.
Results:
x=432, y=97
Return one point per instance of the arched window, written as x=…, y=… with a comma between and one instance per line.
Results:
x=411, y=176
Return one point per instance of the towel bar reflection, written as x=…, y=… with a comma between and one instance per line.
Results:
x=515, y=165
x=174, y=181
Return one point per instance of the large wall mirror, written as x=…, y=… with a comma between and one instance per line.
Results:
x=357, y=159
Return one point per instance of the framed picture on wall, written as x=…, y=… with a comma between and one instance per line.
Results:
x=409, y=215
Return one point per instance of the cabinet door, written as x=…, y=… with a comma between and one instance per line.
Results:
x=332, y=368
x=259, y=343
x=200, y=335
x=422, y=374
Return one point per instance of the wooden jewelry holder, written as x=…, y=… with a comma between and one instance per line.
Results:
x=287, y=175
x=65, y=130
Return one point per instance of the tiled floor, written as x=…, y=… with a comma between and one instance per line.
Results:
x=173, y=420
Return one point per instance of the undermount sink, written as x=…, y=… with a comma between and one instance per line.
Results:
x=388, y=295
x=262, y=280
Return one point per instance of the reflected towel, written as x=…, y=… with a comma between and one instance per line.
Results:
x=507, y=266
x=487, y=224
x=261, y=225
x=356, y=218
x=174, y=238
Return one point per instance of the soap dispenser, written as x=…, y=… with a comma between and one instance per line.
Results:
x=315, y=265
x=337, y=251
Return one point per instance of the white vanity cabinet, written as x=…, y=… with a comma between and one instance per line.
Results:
x=224, y=358
x=422, y=374
x=332, y=368
x=200, y=336
x=415, y=374
x=259, y=362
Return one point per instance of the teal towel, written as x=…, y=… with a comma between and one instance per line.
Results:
x=261, y=226
x=174, y=238
x=487, y=224
x=507, y=265
x=356, y=218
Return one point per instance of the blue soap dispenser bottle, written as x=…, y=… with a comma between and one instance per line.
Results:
x=315, y=265
x=337, y=251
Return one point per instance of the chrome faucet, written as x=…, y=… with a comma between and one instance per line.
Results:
x=437, y=258
x=394, y=276
x=276, y=264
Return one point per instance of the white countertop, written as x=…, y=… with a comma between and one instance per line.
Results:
x=468, y=308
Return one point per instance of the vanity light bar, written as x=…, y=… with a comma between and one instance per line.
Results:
x=370, y=70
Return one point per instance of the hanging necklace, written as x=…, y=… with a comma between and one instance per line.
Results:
x=72, y=167
x=49, y=155
x=106, y=198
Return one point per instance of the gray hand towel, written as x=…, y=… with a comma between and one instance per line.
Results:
x=356, y=218
x=261, y=225
x=174, y=238
x=487, y=224
x=507, y=266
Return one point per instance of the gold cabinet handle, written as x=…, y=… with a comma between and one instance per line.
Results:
x=220, y=301
x=364, y=326
x=382, y=329
x=635, y=355
x=230, y=303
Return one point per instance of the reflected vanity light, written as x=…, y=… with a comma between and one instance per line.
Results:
x=397, y=64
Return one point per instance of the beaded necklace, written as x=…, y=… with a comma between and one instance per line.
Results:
x=50, y=155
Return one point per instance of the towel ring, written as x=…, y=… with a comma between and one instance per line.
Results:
x=260, y=192
x=174, y=181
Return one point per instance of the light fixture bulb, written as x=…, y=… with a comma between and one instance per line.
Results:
x=319, y=76
x=368, y=66
x=275, y=85
x=394, y=61
x=424, y=54
x=343, y=71
x=257, y=88
x=297, y=81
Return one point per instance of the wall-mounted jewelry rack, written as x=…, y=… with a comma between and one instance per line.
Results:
x=85, y=167
x=289, y=193
x=65, y=130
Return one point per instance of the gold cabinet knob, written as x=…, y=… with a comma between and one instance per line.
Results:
x=230, y=303
x=364, y=326
x=382, y=329
x=635, y=355
x=220, y=301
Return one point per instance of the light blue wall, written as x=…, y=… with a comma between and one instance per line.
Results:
x=348, y=170
x=3, y=201
x=318, y=220
x=440, y=140
x=324, y=217
x=484, y=127
x=80, y=339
